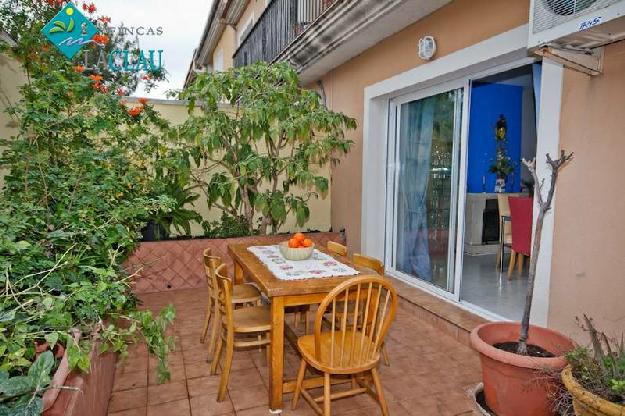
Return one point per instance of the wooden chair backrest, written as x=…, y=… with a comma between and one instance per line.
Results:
x=369, y=262
x=224, y=298
x=211, y=263
x=362, y=326
x=336, y=248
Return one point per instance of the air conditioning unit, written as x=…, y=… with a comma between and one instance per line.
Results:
x=572, y=31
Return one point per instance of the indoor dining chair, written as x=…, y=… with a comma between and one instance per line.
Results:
x=241, y=295
x=505, y=234
x=353, y=349
x=521, y=212
x=239, y=328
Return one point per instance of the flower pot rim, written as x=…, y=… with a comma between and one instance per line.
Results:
x=588, y=398
x=536, y=363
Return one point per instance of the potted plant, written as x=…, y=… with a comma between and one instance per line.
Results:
x=517, y=358
x=502, y=166
x=595, y=377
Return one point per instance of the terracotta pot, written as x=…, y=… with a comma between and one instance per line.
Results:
x=586, y=403
x=516, y=385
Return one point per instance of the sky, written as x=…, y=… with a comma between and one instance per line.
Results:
x=182, y=24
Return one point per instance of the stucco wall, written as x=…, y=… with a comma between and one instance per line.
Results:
x=455, y=26
x=227, y=44
x=589, y=243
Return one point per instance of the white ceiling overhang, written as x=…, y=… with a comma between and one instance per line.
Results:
x=347, y=29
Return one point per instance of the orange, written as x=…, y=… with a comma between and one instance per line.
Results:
x=307, y=242
x=299, y=237
x=293, y=243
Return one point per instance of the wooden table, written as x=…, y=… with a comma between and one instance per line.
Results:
x=282, y=294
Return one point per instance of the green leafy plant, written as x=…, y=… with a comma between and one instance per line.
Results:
x=81, y=182
x=226, y=227
x=601, y=368
x=502, y=165
x=260, y=139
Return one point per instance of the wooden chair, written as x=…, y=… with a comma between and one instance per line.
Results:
x=336, y=248
x=242, y=295
x=376, y=265
x=253, y=322
x=354, y=348
x=300, y=313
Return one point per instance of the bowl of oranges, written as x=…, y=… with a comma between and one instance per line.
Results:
x=297, y=248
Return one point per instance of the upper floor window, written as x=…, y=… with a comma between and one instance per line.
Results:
x=218, y=61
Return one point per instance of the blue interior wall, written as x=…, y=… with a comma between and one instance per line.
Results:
x=488, y=101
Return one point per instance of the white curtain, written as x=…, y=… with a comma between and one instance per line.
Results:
x=415, y=148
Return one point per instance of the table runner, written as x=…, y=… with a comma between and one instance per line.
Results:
x=317, y=266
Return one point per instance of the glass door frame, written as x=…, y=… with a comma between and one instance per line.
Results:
x=458, y=193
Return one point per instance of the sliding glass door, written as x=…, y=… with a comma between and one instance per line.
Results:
x=423, y=179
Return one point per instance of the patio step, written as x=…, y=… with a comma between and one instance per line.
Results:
x=439, y=313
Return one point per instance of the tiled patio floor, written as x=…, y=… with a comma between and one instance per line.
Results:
x=429, y=373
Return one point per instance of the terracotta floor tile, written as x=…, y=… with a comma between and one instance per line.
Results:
x=420, y=353
x=208, y=406
x=126, y=381
x=256, y=411
x=163, y=393
x=176, y=408
x=197, y=369
x=131, y=412
x=249, y=397
x=244, y=378
x=128, y=399
x=203, y=385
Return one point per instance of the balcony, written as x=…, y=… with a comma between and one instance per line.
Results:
x=281, y=22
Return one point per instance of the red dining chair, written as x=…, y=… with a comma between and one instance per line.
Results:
x=521, y=214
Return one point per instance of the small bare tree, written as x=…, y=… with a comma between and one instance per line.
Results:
x=544, y=206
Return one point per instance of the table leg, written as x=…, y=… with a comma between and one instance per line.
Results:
x=238, y=273
x=276, y=373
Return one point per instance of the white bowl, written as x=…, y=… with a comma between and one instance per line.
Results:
x=296, y=254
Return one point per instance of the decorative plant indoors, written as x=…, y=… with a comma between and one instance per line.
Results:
x=502, y=166
x=78, y=189
x=596, y=376
x=516, y=356
x=261, y=139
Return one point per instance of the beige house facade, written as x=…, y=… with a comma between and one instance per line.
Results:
x=367, y=66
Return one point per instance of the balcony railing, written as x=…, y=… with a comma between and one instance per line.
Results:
x=281, y=22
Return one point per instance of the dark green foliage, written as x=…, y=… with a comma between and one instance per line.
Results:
x=262, y=138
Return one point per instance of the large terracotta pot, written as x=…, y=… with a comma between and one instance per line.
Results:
x=516, y=385
x=586, y=403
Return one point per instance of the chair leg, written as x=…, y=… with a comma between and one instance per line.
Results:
x=296, y=319
x=512, y=261
x=519, y=262
x=498, y=262
x=306, y=322
x=216, y=355
x=385, y=357
x=268, y=354
x=207, y=320
x=326, y=394
x=214, y=331
x=379, y=391
x=298, y=385
x=225, y=372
